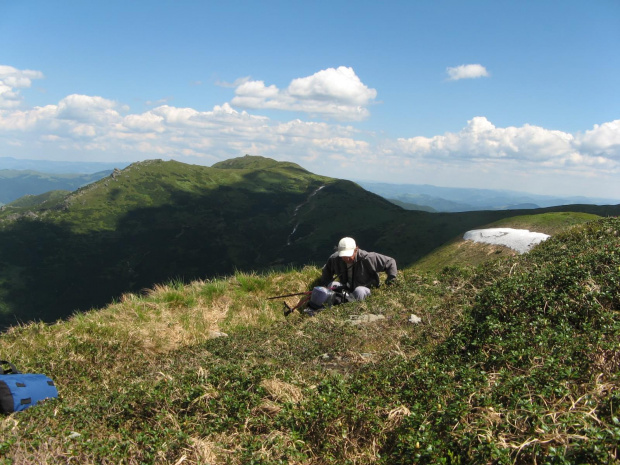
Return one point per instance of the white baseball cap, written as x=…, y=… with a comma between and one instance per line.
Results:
x=346, y=247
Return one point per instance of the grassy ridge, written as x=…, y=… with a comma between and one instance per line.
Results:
x=516, y=361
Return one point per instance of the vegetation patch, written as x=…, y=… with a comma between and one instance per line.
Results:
x=516, y=360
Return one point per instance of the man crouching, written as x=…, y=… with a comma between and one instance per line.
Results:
x=356, y=270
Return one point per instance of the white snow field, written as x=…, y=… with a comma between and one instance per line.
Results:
x=520, y=240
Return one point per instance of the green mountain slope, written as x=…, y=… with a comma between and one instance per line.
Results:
x=149, y=223
x=516, y=361
x=156, y=221
x=37, y=201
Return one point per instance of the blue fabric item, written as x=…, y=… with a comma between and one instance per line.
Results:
x=18, y=391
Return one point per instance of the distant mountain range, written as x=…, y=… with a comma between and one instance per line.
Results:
x=20, y=177
x=15, y=184
x=59, y=167
x=446, y=199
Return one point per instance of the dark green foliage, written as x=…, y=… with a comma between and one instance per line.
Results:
x=536, y=362
x=516, y=362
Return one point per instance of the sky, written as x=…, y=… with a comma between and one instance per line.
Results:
x=495, y=94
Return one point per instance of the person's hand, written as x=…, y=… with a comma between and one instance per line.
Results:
x=390, y=280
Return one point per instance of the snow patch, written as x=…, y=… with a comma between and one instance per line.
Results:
x=520, y=240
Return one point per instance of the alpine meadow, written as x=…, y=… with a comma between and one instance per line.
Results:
x=145, y=295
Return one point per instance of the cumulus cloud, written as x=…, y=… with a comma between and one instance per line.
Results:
x=87, y=109
x=603, y=140
x=513, y=157
x=480, y=138
x=13, y=79
x=340, y=85
x=79, y=125
x=336, y=93
x=466, y=72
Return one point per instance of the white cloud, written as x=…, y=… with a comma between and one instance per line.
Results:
x=12, y=79
x=256, y=89
x=480, y=154
x=466, y=72
x=603, y=140
x=84, y=108
x=527, y=158
x=480, y=139
x=335, y=93
x=234, y=84
x=339, y=85
x=145, y=122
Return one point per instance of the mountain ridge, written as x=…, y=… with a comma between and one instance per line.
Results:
x=422, y=197
x=160, y=220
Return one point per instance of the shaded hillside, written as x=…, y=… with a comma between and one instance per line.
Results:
x=514, y=362
x=156, y=221
x=146, y=224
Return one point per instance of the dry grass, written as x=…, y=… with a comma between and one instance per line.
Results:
x=167, y=317
x=280, y=391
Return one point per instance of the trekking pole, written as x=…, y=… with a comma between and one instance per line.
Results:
x=287, y=308
x=289, y=295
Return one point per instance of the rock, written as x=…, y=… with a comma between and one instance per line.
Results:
x=215, y=334
x=415, y=319
x=365, y=318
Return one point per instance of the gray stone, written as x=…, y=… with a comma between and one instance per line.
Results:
x=365, y=318
x=214, y=334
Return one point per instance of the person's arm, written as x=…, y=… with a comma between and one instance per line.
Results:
x=388, y=265
x=327, y=275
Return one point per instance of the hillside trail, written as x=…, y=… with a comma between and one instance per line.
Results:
x=297, y=208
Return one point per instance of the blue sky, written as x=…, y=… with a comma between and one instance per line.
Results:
x=520, y=95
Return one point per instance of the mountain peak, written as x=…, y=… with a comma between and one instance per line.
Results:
x=254, y=162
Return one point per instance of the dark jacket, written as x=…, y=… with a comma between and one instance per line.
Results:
x=366, y=269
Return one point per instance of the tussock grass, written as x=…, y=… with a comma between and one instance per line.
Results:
x=515, y=361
